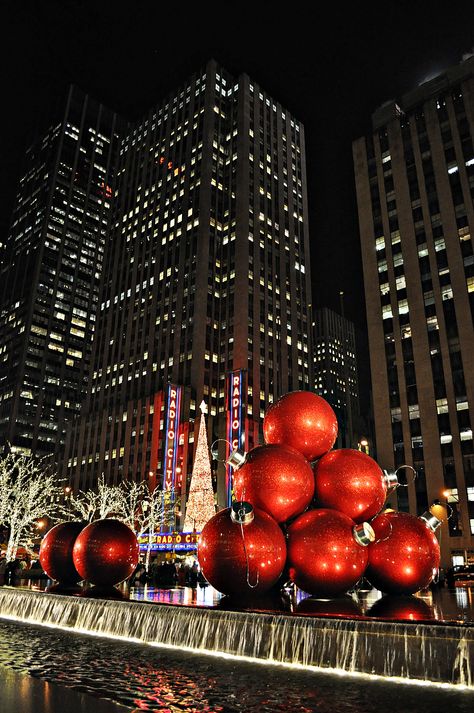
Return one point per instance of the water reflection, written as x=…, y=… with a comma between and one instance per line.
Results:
x=144, y=678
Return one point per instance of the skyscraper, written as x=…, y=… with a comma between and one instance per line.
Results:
x=415, y=188
x=49, y=280
x=206, y=292
x=335, y=371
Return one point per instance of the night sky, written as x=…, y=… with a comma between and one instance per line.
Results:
x=330, y=73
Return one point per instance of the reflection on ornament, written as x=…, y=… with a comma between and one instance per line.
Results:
x=276, y=479
x=238, y=558
x=106, y=552
x=344, y=606
x=301, y=420
x=405, y=556
x=327, y=554
x=401, y=608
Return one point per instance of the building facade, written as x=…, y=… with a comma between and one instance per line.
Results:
x=206, y=291
x=335, y=371
x=415, y=187
x=49, y=282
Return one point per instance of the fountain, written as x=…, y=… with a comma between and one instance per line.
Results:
x=430, y=652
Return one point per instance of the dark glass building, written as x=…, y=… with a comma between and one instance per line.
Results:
x=415, y=188
x=335, y=372
x=49, y=280
x=206, y=291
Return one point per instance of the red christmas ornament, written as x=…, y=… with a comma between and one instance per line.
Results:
x=352, y=482
x=55, y=553
x=301, y=420
x=276, y=479
x=239, y=558
x=405, y=556
x=327, y=552
x=342, y=607
x=106, y=552
x=401, y=608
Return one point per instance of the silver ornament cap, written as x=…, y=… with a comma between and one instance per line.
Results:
x=363, y=534
x=242, y=512
x=237, y=458
x=391, y=478
x=431, y=520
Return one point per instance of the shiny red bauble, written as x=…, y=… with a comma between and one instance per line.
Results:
x=350, y=481
x=55, y=553
x=106, y=552
x=401, y=608
x=405, y=556
x=301, y=420
x=276, y=479
x=221, y=553
x=324, y=557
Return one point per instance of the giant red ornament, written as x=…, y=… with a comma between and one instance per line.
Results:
x=327, y=552
x=405, y=556
x=106, y=552
x=276, y=479
x=55, y=553
x=301, y=420
x=350, y=481
x=222, y=554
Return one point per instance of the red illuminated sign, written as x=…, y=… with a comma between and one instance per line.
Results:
x=235, y=421
x=171, y=441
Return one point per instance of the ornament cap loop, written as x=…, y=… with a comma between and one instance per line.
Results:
x=363, y=534
x=242, y=512
x=431, y=520
x=215, y=449
x=237, y=458
x=397, y=484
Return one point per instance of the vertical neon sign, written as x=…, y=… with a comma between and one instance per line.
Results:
x=235, y=430
x=171, y=446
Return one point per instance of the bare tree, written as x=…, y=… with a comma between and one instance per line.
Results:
x=29, y=490
x=89, y=505
x=133, y=497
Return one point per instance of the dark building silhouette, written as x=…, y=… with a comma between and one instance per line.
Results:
x=49, y=280
x=415, y=188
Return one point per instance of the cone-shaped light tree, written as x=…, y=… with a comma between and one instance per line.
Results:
x=200, y=506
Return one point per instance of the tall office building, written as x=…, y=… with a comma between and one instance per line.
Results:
x=49, y=281
x=415, y=188
x=206, y=292
x=335, y=371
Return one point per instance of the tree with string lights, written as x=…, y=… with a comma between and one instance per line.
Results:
x=200, y=506
x=29, y=490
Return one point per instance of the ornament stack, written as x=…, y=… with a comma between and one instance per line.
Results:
x=314, y=513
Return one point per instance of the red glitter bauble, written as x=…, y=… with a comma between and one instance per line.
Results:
x=301, y=420
x=350, y=481
x=106, y=552
x=324, y=557
x=343, y=606
x=276, y=479
x=221, y=553
x=55, y=553
x=401, y=608
x=405, y=556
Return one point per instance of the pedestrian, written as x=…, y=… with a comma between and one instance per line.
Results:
x=193, y=575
